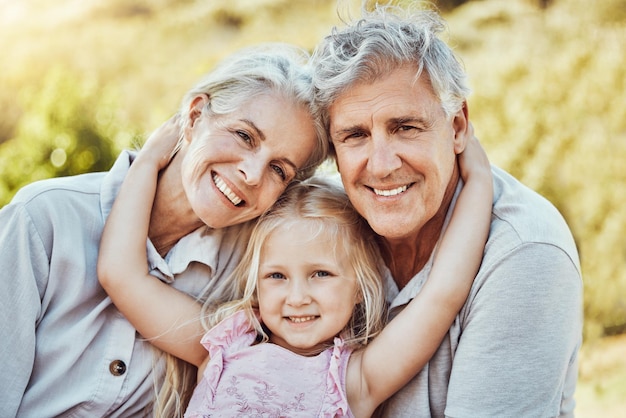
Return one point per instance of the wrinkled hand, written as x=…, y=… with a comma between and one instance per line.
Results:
x=160, y=146
x=473, y=160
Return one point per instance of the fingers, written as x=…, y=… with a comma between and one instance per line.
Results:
x=162, y=143
x=473, y=158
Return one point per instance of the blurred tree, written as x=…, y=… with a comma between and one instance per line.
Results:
x=67, y=128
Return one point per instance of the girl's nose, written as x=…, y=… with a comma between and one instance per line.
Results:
x=298, y=293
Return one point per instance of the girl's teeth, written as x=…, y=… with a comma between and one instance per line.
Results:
x=226, y=190
x=301, y=319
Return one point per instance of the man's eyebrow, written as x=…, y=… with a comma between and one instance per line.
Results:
x=409, y=119
x=349, y=130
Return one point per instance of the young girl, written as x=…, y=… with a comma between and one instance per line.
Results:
x=300, y=341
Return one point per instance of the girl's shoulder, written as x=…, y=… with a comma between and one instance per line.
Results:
x=233, y=332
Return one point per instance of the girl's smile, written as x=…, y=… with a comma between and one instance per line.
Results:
x=307, y=288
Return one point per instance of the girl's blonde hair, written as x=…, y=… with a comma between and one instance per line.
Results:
x=326, y=204
x=314, y=200
x=272, y=68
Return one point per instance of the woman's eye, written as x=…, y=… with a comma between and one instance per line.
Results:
x=279, y=170
x=244, y=136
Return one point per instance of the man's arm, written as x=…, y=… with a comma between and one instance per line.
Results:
x=24, y=267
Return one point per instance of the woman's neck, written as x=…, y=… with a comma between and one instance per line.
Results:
x=172, y=218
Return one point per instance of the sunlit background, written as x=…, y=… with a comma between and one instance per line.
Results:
x=82, y=79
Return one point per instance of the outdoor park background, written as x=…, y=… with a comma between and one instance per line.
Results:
x=82, y=79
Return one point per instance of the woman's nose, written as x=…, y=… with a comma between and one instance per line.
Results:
x=252, y=169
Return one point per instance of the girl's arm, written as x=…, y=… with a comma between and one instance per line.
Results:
x=158, y=311
x=408, y=342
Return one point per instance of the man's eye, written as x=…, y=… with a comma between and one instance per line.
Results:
x=353, y=135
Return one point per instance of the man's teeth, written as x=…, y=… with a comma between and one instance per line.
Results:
x=226, y=190
x=299, y=319
x=391, y=192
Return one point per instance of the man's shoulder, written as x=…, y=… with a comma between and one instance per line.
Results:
x=522, y=216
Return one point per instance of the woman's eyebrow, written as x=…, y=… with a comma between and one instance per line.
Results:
x=255, y=128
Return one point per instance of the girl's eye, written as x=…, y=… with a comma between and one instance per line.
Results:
x=279, y=170
x=276, y=276
x=322, y=273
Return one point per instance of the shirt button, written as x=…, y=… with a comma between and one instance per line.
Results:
x=117, y=367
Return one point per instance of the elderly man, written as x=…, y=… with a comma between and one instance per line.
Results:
x=395, y=106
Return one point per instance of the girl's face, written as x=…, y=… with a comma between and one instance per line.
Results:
x=307, y=289
x=236, y=165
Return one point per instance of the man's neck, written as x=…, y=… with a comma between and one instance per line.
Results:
x=407, y=256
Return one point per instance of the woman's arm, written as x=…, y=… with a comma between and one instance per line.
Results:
x=158, y=311
x=408, y=342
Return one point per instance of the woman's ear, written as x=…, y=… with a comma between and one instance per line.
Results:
x=462, y=129
x=196, y=108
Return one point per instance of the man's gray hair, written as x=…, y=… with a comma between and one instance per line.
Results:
x=384, y=39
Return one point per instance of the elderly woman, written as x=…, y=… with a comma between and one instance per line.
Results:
x=244, y=133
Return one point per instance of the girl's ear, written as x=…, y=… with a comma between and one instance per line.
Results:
x=358, y=298
x=462, y=130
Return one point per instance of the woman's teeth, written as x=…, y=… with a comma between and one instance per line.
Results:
x=226, y=191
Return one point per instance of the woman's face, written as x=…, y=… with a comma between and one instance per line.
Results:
x=235, y=166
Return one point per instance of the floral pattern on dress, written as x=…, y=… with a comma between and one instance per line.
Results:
x=249, y=380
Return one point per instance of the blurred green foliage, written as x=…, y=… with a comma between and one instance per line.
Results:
x=67, y=127
x=549, y=101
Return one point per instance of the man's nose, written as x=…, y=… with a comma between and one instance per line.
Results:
x=383, y=158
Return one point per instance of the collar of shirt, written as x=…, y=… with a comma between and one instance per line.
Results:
x=199, y=246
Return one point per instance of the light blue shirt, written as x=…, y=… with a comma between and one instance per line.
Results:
x=64, y=347
x=513, y=349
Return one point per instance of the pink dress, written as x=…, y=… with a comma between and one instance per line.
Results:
x=244, y=379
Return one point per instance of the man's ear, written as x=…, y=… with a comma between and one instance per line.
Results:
x=462, y=128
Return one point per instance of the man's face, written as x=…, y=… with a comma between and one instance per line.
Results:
x=396, y=151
